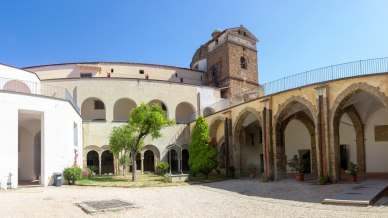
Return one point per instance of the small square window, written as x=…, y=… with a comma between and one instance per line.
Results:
x=86, y=75
x=176, y=74
x=181, y=80
x=99, y=105
x=141, y=71
x=216, y=41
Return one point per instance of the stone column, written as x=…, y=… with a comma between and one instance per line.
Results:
x=228, y=142
x=99, y=163
x=267, y=139
x=322, y=136
x=179, y=164
x=142, y=165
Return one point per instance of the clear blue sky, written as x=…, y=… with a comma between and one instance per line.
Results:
x=294, y=35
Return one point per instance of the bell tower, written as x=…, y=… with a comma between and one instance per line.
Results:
x=229, y=60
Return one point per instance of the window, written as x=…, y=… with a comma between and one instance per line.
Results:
x=99, y=105
x=245, y=34
x=176, y=74
x=141, y=71
x=243, y=63
x=86, y=75
x=216, y=41
x=181, y=80
x=75, y=134
x=239, y=32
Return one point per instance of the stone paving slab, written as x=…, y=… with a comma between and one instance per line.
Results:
x=104, y=205
x=367, y=193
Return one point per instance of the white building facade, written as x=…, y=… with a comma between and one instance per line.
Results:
x=41, y=130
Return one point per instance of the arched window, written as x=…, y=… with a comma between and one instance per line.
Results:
x=93, y=109
x=16, y=86
x=243, y=63
x=184, y=112
x=122, y=109
x=161, y=104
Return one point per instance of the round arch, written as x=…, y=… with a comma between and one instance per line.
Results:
x=208, y=111
x=213, y=126
x=93, y=161
x=150, y=155
x=161, y=104
x=16, y=86
x=184, y=112
x=122, y=109
x=153, y=148
x=93, y=109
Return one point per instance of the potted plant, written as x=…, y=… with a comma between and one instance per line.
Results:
x=297, y=166
x=353, y=170
x=252, y=171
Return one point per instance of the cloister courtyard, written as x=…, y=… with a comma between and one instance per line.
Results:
x=230, y=198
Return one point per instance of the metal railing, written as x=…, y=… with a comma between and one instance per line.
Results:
x=333, y=72
x=34, y=88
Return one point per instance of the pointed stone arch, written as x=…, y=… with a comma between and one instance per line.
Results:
x=283, y=113
x=352, y=90
x=241, y=117
x=335, y=114
x=237, y=151
x=295, y=98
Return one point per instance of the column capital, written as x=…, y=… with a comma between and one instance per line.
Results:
x=321, y=91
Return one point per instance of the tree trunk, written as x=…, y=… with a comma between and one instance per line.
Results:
x=134, y=166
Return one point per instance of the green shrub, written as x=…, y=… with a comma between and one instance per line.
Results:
x=162, y=166
x=72, y=174
x=202, y=154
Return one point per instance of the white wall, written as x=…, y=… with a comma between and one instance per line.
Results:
x=348, y=137
x=15, y=73
x=120, y=70
x=57, y=130
x=297, y=138
x=376, y=153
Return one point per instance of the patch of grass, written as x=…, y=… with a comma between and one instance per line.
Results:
x=144, y=180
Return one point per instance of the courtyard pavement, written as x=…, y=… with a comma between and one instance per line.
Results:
x=233, y=198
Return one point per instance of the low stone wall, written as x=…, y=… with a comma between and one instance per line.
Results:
x=178, y=178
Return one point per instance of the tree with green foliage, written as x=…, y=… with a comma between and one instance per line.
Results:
x=144, y=121
x=121, y=140
x=202, y=154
